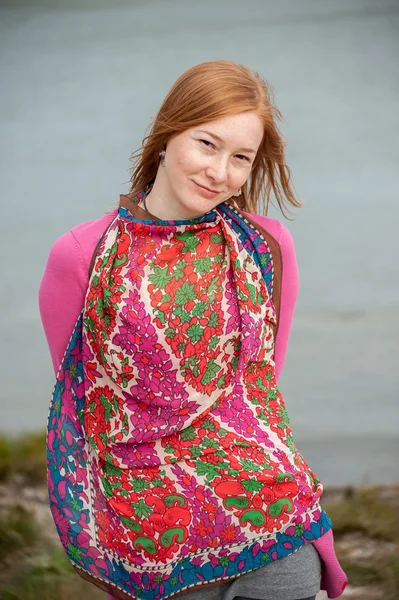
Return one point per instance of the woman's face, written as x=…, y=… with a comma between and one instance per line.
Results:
x=206, y=165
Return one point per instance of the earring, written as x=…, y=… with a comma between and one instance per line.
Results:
x=237, y=193
x=162, y=157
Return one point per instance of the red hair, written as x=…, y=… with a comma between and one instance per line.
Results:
x=207, y=92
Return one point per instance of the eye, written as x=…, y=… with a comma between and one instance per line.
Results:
x=207, y=143
x=243, y=157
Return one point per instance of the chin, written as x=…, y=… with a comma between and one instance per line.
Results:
x=204, y=206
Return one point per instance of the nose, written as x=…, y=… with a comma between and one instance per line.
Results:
x=217, y=170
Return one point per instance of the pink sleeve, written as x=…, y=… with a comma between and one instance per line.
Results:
x=289, y=294
x=61, y=294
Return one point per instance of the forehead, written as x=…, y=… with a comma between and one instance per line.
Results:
x=233, y=128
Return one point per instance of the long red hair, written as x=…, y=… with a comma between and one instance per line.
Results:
x=209, y=91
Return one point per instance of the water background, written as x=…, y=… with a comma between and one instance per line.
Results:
x=80, y=82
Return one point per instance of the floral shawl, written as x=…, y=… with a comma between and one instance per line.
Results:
x=171, y=462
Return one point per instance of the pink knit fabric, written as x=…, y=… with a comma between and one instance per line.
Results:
x=61, y=297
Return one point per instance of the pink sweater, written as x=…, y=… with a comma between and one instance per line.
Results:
x=61, y=298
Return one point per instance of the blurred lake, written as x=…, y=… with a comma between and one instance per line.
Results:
x=81, y=81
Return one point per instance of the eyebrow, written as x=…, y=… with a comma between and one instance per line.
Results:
x=219, y=139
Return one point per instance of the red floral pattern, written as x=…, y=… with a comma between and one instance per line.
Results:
x=170, y=456
x=178, y=330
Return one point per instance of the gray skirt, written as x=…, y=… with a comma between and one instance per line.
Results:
x=294, y=577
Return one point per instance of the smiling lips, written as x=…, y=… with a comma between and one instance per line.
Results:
x=205, y=191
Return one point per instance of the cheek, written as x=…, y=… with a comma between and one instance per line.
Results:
x=192, y=162
x=186, y=160
x=238, y=177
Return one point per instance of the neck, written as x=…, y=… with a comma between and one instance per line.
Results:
x=162, y=207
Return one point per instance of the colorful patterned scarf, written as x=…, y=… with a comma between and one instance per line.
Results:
x=171, y=460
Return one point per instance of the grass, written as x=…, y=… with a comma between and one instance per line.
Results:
x=49, y=576
x=24, y=456
x=365, y=511
x=371, y=517
x=17, y=530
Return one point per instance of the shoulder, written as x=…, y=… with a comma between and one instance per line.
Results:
x=79, y=242
x=277, y=230
x=64, y=282
x=273, y=226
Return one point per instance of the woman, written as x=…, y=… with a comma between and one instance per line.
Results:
x=172, y=467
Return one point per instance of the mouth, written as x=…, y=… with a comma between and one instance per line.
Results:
x=206, y=189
